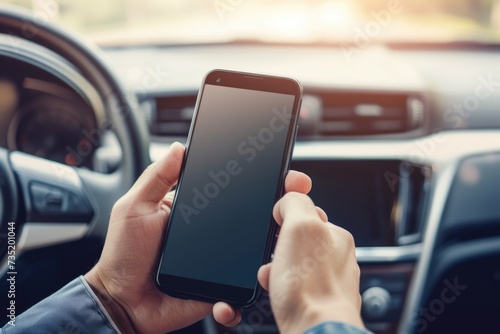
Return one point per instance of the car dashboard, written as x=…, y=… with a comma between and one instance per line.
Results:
x=397, y=140
x=384, y=133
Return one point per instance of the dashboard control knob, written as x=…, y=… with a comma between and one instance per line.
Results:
x=376, y=302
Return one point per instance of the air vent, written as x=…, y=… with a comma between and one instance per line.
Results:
x=369, y=113
x=173, y=115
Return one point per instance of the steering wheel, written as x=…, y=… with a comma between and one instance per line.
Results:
x=44, y=203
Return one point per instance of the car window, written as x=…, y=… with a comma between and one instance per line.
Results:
x=319, y=21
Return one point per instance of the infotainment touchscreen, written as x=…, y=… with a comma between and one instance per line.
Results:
x=364, y=197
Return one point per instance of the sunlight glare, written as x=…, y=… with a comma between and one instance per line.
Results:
x=335, y=13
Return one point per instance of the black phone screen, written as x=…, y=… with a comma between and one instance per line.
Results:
x=221, y=217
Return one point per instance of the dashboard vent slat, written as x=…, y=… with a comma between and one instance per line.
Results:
x=366, y=113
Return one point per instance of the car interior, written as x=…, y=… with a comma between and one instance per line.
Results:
x=399, y=131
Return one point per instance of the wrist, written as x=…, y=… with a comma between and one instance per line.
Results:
x=115, y=309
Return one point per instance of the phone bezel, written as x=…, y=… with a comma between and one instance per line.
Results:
x=187, y=288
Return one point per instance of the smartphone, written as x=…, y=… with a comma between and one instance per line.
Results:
x=221, y=229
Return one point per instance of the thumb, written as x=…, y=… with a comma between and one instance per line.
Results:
x=160, y=176
x=263, y=276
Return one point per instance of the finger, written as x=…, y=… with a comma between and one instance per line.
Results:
x=322, y=214
x=263, y=276
x=225, y=315
x=294, y=207
x=169, y=199
x=297, y=182
x=160, y=176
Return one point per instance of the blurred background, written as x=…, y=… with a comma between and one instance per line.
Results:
x=313, y=21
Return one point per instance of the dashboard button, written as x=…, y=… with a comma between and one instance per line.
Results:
x=376, y=302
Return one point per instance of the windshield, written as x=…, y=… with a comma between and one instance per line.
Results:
x=121, y=22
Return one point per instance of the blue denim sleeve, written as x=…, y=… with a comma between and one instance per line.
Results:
x=73, y=309
x=336, y=328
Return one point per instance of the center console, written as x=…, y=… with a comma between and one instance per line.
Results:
x=381, y=202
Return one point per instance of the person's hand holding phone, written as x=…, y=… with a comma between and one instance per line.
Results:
x=123, y=277
x=314, y=276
